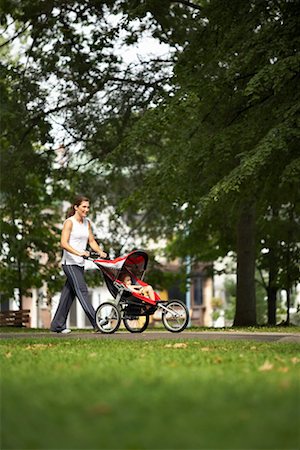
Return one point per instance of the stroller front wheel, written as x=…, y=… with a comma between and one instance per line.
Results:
x=108, y=317
x=175, y=316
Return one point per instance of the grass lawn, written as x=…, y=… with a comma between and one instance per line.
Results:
x=158, y=394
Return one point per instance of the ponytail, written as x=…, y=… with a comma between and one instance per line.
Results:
x=70, y=212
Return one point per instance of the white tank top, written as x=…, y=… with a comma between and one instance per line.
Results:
x=78, y=240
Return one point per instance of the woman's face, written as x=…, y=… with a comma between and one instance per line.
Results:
x=83, y=209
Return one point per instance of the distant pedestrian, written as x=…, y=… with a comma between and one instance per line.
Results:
x=75, y=236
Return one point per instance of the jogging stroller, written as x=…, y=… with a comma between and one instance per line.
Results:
x=133, y=308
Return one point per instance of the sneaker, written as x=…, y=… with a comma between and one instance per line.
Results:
x=66, y=331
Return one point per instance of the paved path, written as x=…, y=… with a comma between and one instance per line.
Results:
x=152, y=335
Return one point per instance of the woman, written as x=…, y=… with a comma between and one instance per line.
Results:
x=76, y=233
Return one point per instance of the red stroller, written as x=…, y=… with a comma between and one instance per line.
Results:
x=132, y=307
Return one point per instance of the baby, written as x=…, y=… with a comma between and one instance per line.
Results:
x=146, y=291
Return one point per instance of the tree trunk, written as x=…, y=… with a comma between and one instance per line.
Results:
x=288, y=305
x=288, y=284
x=272, y=288
x=20, y=288
x=245, y=314
x=272, y=299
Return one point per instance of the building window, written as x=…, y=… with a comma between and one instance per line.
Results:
x=198, y=290
x=4, y=305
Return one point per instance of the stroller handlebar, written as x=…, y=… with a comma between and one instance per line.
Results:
x=94, y=255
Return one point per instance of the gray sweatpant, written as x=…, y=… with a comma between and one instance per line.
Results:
x=75, y=286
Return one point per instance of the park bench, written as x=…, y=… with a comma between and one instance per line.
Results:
x=15, y=318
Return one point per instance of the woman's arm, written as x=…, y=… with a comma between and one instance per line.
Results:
x=93, y=244
x=65, y=237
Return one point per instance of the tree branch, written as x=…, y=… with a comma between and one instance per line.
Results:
x=15, y=36
x=262, y=282
x=190, y=4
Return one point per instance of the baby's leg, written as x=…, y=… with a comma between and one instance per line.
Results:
x=144, y=292
x=148, y=292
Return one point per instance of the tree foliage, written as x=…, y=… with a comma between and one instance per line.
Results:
x=228, y=136
x=28, y=213
x=180, y=147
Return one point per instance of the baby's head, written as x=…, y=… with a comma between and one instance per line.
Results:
x=126, y=280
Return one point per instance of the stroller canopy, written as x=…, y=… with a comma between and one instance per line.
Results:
x=135, y=263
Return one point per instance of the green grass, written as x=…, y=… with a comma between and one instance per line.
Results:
x=109, y=394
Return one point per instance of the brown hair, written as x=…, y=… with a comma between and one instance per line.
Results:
x=77, y=202
x=123, y=275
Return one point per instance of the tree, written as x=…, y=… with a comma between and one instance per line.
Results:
x=28, y=213
x=279, y=251
x=228, y=135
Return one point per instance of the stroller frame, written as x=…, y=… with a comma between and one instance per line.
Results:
x=133, y=308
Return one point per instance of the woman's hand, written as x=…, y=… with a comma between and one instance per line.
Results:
x=85, y=254
x=103, y=254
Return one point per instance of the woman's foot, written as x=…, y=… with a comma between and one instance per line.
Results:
x=65, y=331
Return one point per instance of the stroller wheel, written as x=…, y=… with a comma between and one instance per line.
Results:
x=108, y=317
x=175, y=317
x=136, y=324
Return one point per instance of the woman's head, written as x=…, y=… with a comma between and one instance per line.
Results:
x=80, y=203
